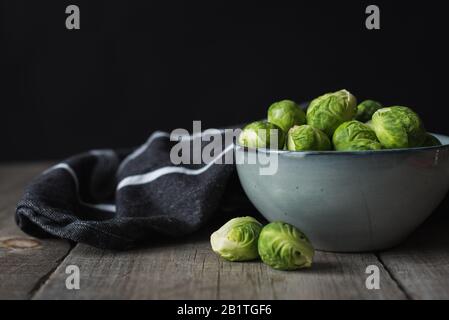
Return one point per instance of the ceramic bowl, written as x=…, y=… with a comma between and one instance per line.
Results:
x=348, y=201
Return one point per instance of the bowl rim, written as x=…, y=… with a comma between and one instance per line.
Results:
x=346, y=153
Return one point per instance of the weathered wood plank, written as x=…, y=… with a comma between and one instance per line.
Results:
x=421, y=264
x=13, y=179
x=190, y=270
x=24, y=261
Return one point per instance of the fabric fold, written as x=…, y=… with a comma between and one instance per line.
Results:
x=119, y=199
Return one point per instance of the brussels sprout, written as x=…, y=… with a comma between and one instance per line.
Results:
x=355, y=135
x=328, y=111
x=284, y=247
x=369, y=124
x=366, y=109
x=258, y=135
x=286, y=114
x=237, y=239
x=361, y=145
x=431, y=141
x=398, y=127
x=305, y=137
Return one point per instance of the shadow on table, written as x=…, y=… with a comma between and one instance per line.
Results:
x=433, y=234
x=203, y=234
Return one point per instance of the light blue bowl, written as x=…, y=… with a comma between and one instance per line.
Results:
x=349, y=201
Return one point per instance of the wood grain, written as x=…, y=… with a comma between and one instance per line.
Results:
x=188, y=269
x=24, y=261
x=421, y=264
x=191, y=270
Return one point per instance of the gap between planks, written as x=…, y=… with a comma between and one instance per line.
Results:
x=43, y=280
x=393, y=277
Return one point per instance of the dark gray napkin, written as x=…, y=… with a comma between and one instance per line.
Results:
x=118, y=199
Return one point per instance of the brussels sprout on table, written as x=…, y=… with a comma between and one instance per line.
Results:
x=305, y=137
x=398, y=127
x=237, y=239
x=366, y=109
x=328, y=111
x=261, y=134
x=431, y=141
x=286, y=114
x=355, y=136
x=284, y=247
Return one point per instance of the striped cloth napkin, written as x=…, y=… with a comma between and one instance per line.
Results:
x=118, y=200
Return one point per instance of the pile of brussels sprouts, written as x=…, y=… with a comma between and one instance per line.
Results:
x=278, y=244
x=334, y=121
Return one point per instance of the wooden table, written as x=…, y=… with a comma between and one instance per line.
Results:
x=36, y=269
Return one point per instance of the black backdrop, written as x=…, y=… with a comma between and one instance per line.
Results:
x=138, y=66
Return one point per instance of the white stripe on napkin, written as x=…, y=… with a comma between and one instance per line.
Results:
x=142, y=148
x=67, y=168
x=162, y=134
x=142, y=178
x=153, y=175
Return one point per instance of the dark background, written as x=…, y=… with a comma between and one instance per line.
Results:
x=138, y=66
